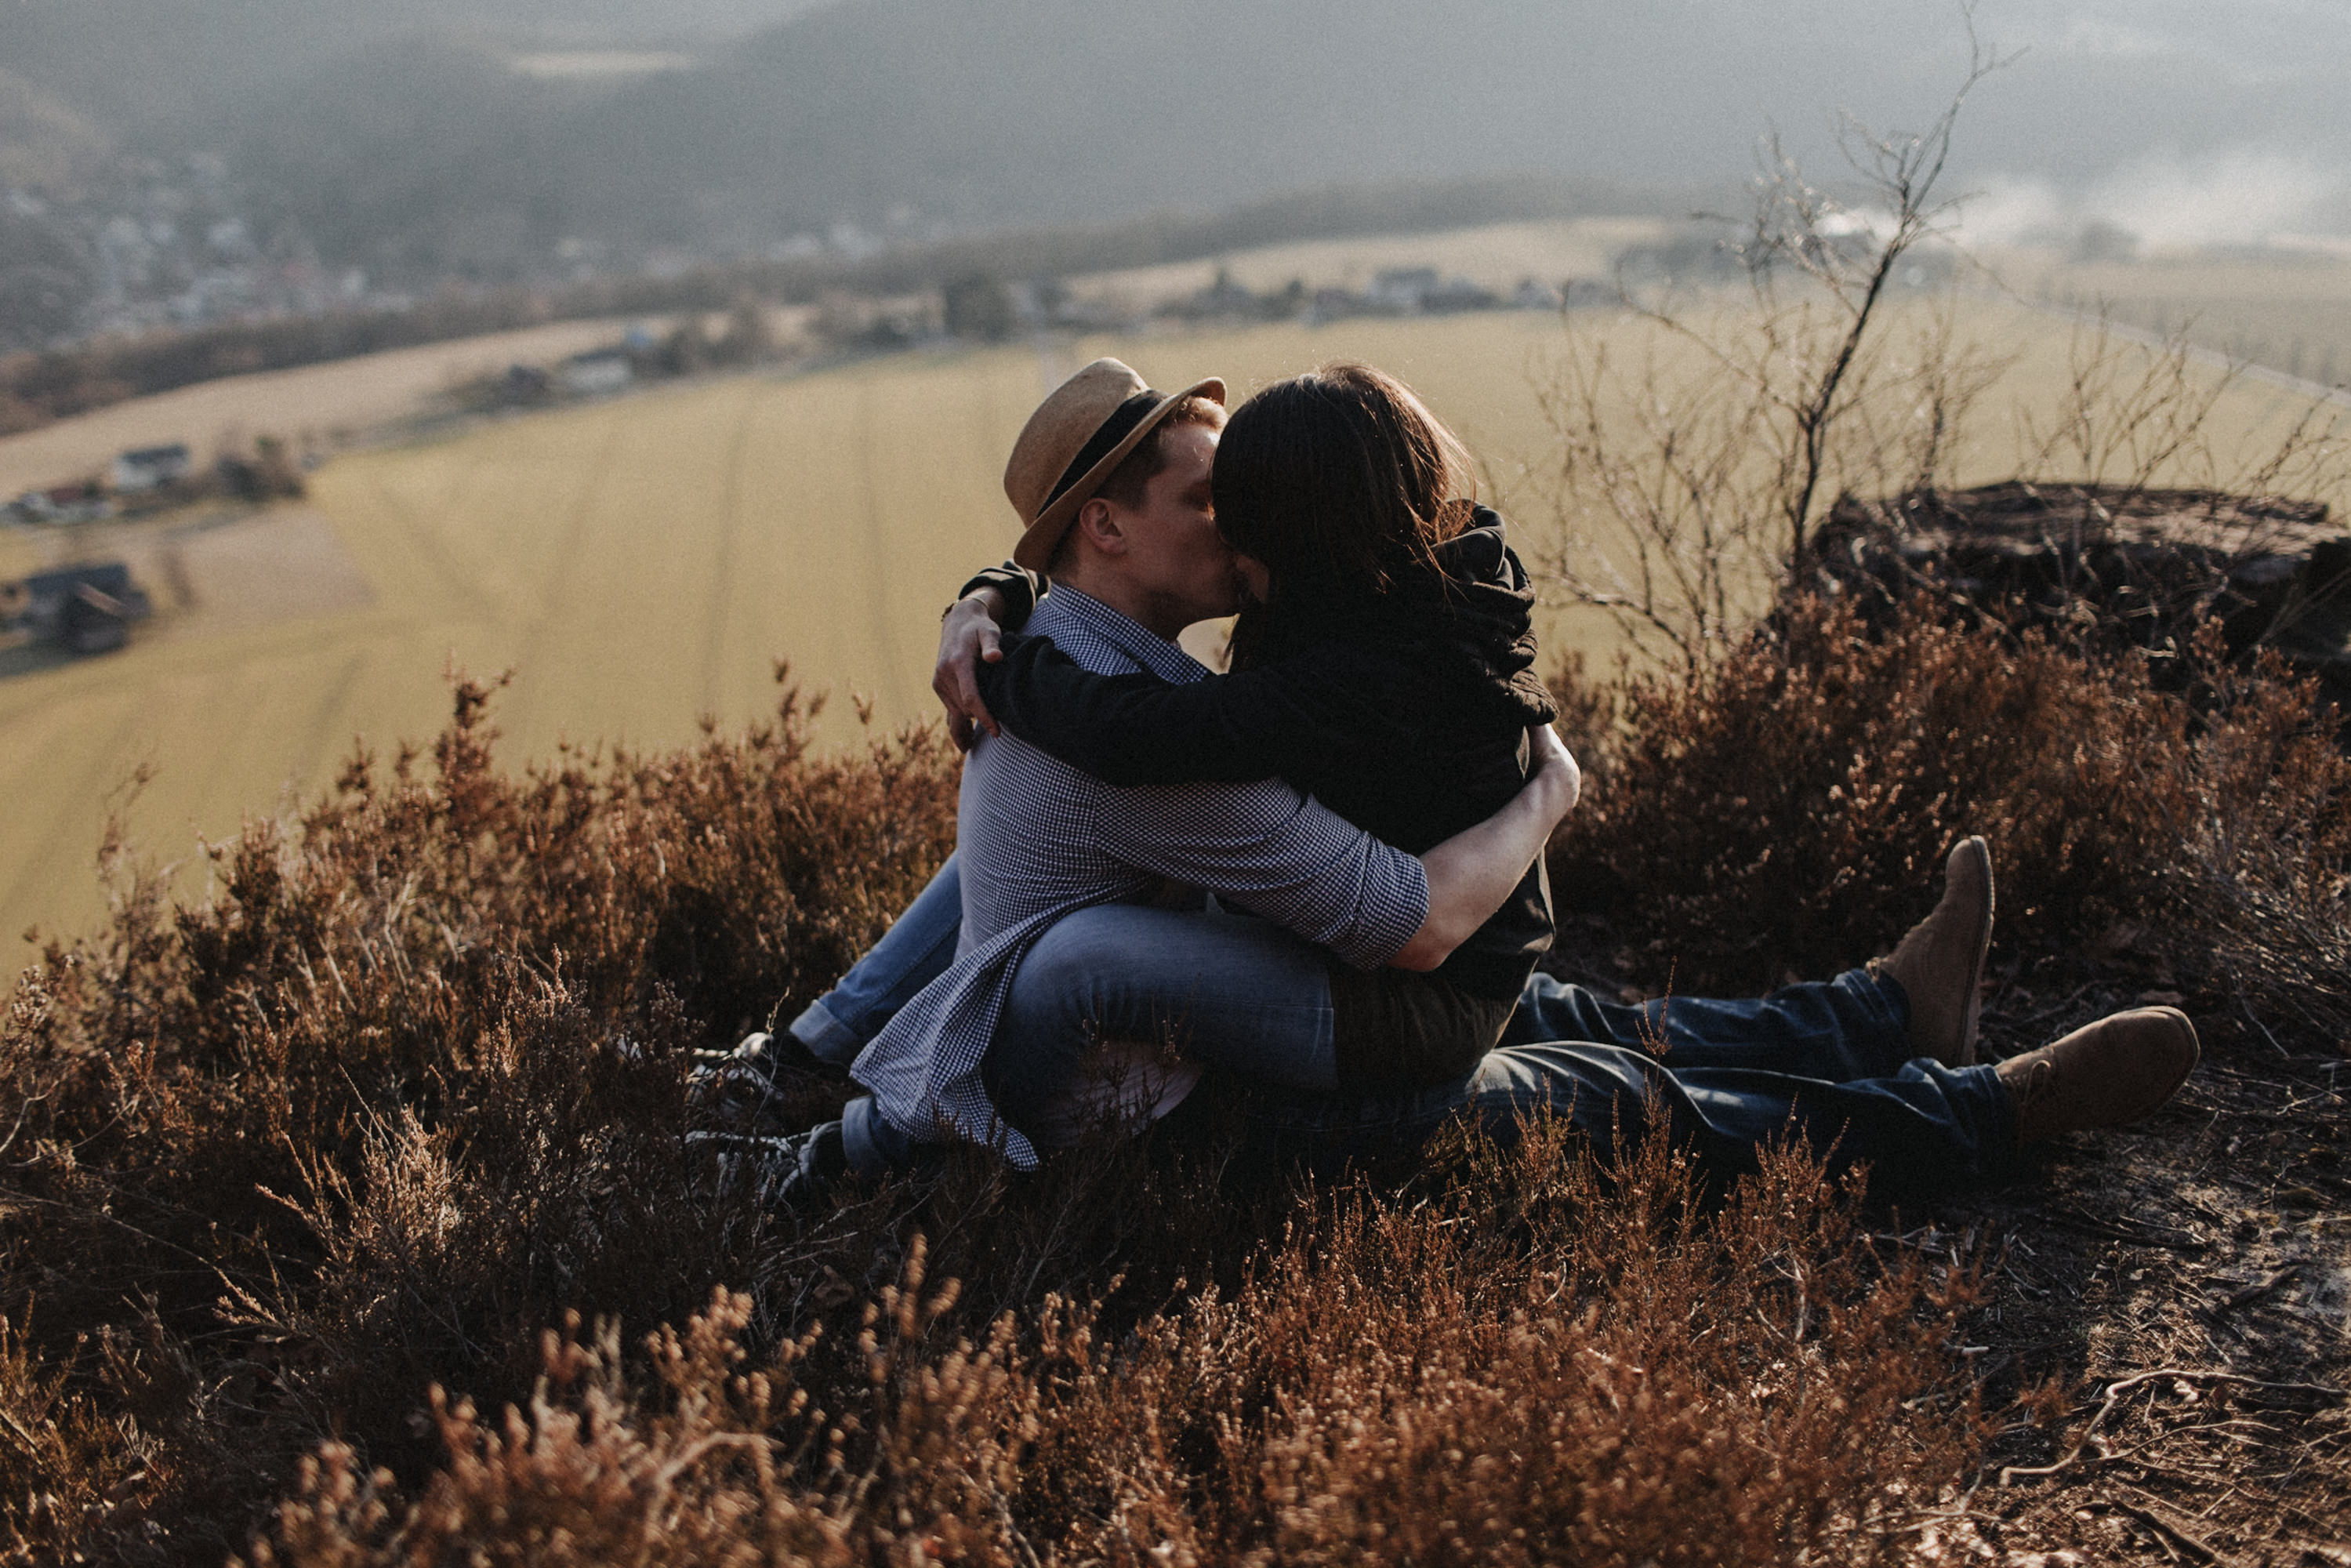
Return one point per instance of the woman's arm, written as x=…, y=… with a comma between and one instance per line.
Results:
x=1139, y=730
x=1017, y=590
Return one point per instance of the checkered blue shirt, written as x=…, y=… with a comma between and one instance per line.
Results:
x=1036, y=839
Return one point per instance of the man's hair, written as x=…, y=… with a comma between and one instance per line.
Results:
x=1133, y=476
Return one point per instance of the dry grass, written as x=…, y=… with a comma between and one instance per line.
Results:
x=408, y=1085
x=1520, y=1370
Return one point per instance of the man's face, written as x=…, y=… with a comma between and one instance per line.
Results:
x=1176, y=564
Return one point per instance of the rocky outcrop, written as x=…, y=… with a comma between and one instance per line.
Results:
x=2139, y=565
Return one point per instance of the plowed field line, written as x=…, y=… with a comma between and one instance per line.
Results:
x=457, y=587
x=592, y=475
x=718, y=616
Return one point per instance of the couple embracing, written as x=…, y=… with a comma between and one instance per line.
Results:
x=1317, y=881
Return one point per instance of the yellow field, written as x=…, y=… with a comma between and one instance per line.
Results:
x=639, y=563
x=1495, y=257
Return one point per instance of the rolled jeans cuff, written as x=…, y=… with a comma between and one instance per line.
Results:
x=827, y=1037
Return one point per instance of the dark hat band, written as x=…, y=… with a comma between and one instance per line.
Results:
x=1105, y=439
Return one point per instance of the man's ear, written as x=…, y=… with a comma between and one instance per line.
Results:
x=1098, y=521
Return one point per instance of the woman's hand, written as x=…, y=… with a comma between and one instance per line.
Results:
x=968, y=636
x=1552, y=761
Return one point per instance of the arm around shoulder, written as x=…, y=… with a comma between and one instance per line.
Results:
x=1136, y=729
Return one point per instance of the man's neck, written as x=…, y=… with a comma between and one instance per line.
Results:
x=1114, y=590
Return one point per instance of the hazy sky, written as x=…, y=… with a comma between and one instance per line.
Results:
x=2182, y=119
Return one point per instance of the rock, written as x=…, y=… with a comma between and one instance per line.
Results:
x=2142, y=567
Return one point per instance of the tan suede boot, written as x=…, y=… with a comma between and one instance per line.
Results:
x=1941, y=962
x=2119, y=1070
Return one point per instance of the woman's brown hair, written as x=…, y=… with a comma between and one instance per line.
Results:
x=1339, y=479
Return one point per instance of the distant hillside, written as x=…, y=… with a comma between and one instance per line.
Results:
x=963, y=113
x=406, y=138
x=412, y=156
x=134, y=62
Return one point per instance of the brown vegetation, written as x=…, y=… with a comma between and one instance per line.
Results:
x=399, y=1111
x=1776, y=812
x=1242, y=1428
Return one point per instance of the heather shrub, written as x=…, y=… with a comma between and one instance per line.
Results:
x=407, y=1089
x=399, y=1111
x=2259, y=893
x=407, y=1085
x=1784, y=809
x=1505, y=1372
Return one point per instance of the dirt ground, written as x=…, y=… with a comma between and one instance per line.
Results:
x=2191, y=1278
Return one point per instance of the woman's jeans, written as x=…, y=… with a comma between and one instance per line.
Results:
x=1825, y=1063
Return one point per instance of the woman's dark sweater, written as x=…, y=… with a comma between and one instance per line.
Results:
x=1405, y=712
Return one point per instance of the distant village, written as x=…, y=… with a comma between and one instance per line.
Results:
x=978, y=309
x=145, y=479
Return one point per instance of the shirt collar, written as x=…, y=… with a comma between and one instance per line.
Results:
x=1153, y=652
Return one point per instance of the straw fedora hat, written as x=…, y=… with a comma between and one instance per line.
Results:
x=1075, y=440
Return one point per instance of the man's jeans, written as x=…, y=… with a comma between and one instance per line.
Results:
x=1213, y=990
x=1824, y=1062
x=1217, y=989
x=914, y=951
x=1224, y=990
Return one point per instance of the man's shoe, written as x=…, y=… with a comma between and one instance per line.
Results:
x=2117, y=1070
x=798, y=1171
x=1940, y=964
x=735, y=1090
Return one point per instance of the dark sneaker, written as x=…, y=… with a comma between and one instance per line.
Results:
x=792, y=1171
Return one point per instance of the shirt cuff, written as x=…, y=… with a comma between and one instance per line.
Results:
x=1394, y=912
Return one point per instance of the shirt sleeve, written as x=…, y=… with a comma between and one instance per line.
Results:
x=1021, y=587
x=1280, y=719
x=1277, y=854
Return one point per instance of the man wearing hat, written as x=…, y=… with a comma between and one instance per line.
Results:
x=1111, y=479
